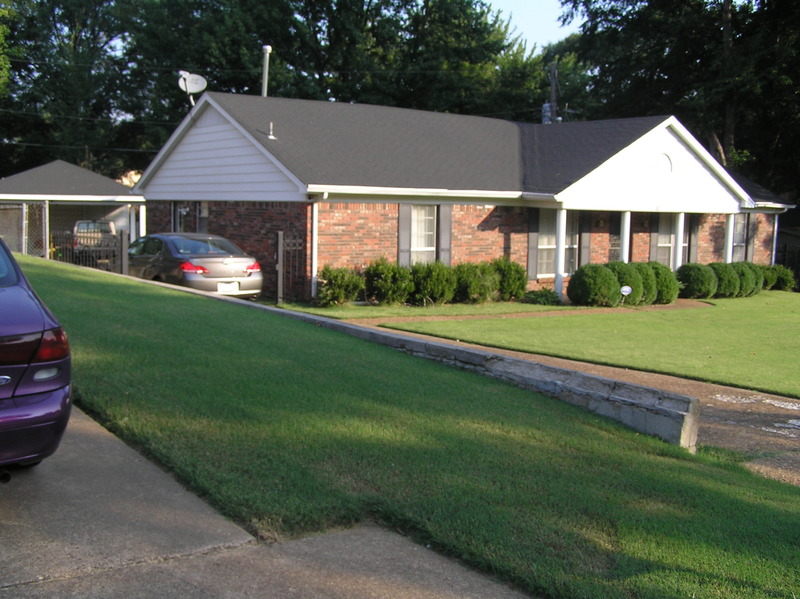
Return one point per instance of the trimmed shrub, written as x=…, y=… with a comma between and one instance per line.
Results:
x=513, y=279
x=338, y=286
x=475, y=283
x=727, y=279
x=434, y=283
x=542, y=297
x=758, y=276
x=628, y=274
x=667, y=286
x=649, y=290
x=747, y=282
x=784, y=278
x=770, y=277
x=593, y=285
x=387, y=282
x=697, y=281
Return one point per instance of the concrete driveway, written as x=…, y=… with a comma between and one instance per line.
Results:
x=98, y=520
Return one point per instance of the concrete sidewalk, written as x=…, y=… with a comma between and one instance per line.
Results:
x=98, y=520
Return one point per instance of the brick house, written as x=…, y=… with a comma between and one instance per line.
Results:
x=302, y=184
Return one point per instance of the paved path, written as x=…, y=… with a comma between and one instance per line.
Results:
x=96, y=520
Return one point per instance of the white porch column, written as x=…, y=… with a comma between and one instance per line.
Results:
x=729, y=229
x=677, y=247
x=46, y=230
x=625, y=237
x=314, y=246
x=23, y=244
x=561, y=242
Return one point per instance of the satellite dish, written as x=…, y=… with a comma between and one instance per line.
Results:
x=191, y=84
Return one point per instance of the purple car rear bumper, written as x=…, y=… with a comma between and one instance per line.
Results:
x=31, y=426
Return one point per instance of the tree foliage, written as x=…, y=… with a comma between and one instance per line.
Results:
x=728, y=69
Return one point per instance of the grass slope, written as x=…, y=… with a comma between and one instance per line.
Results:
x=747, y=342
x=291, y=428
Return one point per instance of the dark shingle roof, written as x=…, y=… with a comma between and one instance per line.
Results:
x=759, y=194
x=556, y=156
x=59, y=178
x=331, y=143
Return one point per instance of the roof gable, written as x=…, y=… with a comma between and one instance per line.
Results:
x=556, y=156
x=664, y=170
x=60, y=178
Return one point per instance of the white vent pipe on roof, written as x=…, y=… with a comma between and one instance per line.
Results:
x=265, y=77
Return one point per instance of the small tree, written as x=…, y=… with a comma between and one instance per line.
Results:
x=387, y=282
x=513, y=279
x=697, y=281
x=628, y=275
x=594, y=285
x=667, y=286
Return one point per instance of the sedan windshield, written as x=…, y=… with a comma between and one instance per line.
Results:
x=209, y=245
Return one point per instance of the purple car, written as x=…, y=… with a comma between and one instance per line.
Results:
x=34, y=372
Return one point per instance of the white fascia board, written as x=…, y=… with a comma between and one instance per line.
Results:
x=411, y=192
x=173, y=140
x=682, y=132
x=73, y=199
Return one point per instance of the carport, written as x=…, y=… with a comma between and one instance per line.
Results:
x=47, y=200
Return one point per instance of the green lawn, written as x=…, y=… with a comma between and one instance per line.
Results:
x=291, y=428
x=749, y=342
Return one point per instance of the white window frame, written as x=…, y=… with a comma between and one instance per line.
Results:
x=424, y=218
x=547, y=240
x=739, y=237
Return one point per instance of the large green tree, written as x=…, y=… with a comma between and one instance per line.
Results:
x=728, y=69
x=63, y=86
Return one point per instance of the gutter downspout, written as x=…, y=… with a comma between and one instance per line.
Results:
x=729, y=226
x=774, y=240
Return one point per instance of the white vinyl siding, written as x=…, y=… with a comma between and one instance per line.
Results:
x=215, y=161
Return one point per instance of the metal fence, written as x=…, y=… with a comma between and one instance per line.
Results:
x=106, y=252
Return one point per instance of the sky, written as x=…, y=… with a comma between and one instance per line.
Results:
x=535, y=20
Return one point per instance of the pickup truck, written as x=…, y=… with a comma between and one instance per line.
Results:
x=94, y=243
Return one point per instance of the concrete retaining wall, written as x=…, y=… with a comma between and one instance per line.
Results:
x=669, y=416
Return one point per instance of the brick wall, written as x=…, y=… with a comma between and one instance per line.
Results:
x=353, y=235
x=711, y=238
x=764, y=226
x=482, y=233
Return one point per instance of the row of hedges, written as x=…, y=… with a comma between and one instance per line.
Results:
x=739, y=279
x=654, y=283
x=384, y=282
x=600, y=284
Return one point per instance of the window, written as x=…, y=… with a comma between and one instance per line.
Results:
x=423, y=234
x=665, y=239
x=546, y=250
x=740, y=237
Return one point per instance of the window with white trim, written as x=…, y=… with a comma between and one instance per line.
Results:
x=666, y=237
x=423, y=234
x=548, y=234
x=739, y=237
